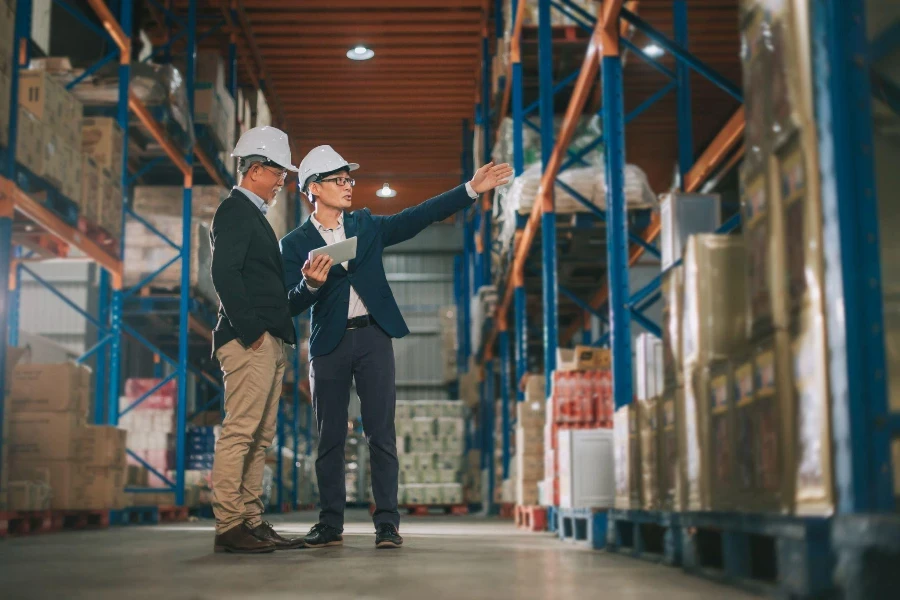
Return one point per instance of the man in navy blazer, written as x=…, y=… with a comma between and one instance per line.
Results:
x=354, y=317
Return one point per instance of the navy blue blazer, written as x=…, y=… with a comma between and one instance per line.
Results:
x=366, y=272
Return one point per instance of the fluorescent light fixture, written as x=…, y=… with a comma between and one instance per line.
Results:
x=386, y=192
x=360, y=53
x=653, y=51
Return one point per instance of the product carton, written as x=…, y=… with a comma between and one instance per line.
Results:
x=103, y=446
x=43, y=97
x=44, y=436
x=648, y=414
x=30, y=142
x=103, y=141
x=720, y=444
x=90, y=196
x=673, y=307
x=7, y=30
x=62, y=387
x=626, y=454
x=29, y=495
x=670, y=474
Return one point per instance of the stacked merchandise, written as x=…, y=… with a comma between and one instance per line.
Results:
x=102, y=143
x=505, y=489
x=472, y=479
x=430, y=445
x=7, y=27
x=644, y=438
x=150, y=426
x=470, y=384
x=529, y=460
x=449, y=343
x=161, y=206
x=55, y=460
x=48, y=142
x=483, y=307
x=581, y=400
x=199, y=452
x=213, y=105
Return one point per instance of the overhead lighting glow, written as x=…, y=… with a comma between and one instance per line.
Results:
x=360, y=53
x=653, y=51
x=386, y=192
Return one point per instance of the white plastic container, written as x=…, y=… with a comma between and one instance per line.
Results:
x=586, y=477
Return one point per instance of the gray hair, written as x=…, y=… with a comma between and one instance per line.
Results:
x=248, y=161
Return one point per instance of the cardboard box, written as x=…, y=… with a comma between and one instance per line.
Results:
x=531, y=414
x=30, y=142
x=565, y=359
x=53, y=161
x=91, y=194
x=7, y=31
x=586, y=357
x=626, y=458
x=167, y=200
x=103, y=446
x=44, y=436
x=673, y=306
x=43, y=97
x=73, y=181
x=29, y=495
x=683, y=215
x=61, y=387
x=670, y=482
x=720, y=445
x=75, y=486
x=111, y=210
x=530, y=441
x=649, y=440
x=4, y=107
x=694, y=438
x=102, y=140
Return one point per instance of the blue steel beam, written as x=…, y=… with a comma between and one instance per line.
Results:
x=147, y=394
x=580, y=303
x=153, y=471
x=566, y=82
x=146, y=168
x=79, y=16
x=617, y=228
x=92, y=69
x=169, y=15
x=646, y=323
x=683, y=55
x=134, y=289
x=153, y=229
x=90, y=352
x=647, y=59
x=65, y=299
x=132, y=332
x=683, y=104
x=279, y=457
x=853, y=298
x=579, y=22
x=548, y=217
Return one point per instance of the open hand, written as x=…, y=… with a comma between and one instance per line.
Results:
x=490, y=176
x=315, y=272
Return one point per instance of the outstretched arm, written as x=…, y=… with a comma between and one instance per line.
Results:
x=410, y=222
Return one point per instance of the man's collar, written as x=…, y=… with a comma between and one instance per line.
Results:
x=254, y=198
x=321, y=227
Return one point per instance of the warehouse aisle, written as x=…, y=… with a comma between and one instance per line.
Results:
x=466, y=557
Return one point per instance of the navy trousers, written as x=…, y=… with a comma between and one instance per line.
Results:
x=367, y=356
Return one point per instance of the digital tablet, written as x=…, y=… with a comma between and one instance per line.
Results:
x=340, y=252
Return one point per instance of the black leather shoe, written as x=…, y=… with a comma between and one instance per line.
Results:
x=386, y=536
x=322, y=535
x=264, y=532
x=240, y=540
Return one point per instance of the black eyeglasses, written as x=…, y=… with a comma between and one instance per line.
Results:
x=340, y=181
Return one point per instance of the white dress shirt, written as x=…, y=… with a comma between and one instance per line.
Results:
x=332, y=236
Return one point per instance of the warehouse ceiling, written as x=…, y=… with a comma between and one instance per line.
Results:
x=400, y=114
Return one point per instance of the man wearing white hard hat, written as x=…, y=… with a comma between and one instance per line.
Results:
x=354, y=317
x=253, y=327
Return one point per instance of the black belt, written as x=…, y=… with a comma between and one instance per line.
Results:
x=360, y=322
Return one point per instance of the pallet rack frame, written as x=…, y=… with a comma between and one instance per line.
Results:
x=109, y=322
x=863, y=425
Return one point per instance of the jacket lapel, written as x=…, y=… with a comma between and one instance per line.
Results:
x=350, y=227
x=313, y=234
x=265, y=222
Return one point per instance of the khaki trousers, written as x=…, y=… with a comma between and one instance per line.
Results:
x=253, y=381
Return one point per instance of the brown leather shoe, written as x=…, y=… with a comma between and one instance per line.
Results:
x=240, y=540
x=264, y=532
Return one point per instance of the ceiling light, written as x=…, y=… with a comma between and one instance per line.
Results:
x=654, y=51
x=386, y=192
x=360, y=53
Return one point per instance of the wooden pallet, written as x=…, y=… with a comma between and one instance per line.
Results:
x=649, y=535
x=506, y=510
x=80, y=519
x=46, y=521
x=585, y=526
x=424, y=510
x=764, y=553
x=47, y=193
x=99, y=236
x=531, y=518
x=173, y=514
x=134, y=515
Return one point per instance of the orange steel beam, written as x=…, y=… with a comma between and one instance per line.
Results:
x=13, y=198
x=609, y=30
x=147, y=120
x=209, y=165
x=111, y=24
x=713, y=156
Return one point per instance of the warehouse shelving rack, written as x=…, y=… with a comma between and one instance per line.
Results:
x=863, y=424
x=57, y=235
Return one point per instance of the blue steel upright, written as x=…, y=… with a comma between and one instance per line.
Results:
x=617, y=228
x=520, y=325
x=862, y=427
x=548, y=217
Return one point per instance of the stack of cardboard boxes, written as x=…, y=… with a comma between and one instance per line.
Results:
x=430, y=445
x=529, y=460
x=213, y=105
x=102, y=142
x=56, y=460
x=150, y=426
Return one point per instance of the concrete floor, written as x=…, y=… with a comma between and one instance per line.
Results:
x=444, y=557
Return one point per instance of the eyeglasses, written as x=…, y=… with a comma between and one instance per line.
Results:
x=340, y=181
x=282, y=173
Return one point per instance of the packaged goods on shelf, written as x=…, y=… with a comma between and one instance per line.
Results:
x=627, y=457
x=262, y=115
x=147, y=252
x=63, y=387
x=4, y=106
x=671, y=481
x=648, y=366
x=30, y=142
x=672, y=287
x=103, y=141
x=28, y=494
x=693, y=429
x=714, y=322
x=648, y=422
x=586, y=471
x=155, y=200
x=722, y=436
x=583, y=398
x=213, y=105
x=483, y=307
x=150, y=423
x=7, y=30
x=449, y=342
x=43, y=97
x=683, y=215
x=529, y=458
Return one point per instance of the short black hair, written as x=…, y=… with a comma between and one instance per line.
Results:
x=320, y=177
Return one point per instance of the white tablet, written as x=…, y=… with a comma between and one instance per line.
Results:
x=340, y=252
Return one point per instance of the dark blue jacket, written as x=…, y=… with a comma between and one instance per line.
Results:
x=366, y=272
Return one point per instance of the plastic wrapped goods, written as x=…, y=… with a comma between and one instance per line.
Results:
x=649, y=439
x=714, y=297
x=626, y=457
x=673, y=306
x=670, y=463
x=693, y=431
x=721, y=441
x=813, y=489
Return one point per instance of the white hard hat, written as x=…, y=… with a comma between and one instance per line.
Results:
x=268, y=142
x=322, y=159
